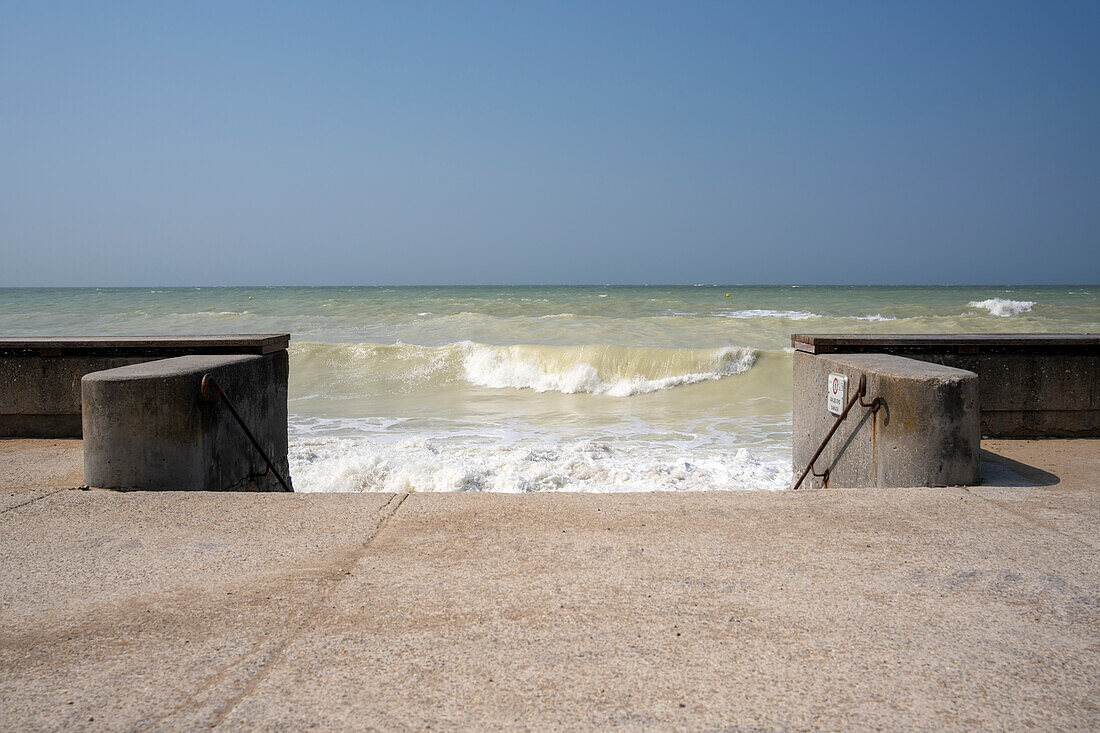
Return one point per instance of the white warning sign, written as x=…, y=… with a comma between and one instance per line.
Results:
x=837, y=391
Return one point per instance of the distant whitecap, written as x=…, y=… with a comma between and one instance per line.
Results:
x=1003, y=307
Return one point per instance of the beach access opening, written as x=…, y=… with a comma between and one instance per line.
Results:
x=148, y=423
x=937, y=396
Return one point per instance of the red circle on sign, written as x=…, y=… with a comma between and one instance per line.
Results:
x=836, y=385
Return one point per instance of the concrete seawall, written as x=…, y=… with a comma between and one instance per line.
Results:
x=1030, y=385
x=41, y=376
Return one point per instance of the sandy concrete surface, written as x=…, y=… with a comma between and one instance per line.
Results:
x=922, y=609
x=31, y=469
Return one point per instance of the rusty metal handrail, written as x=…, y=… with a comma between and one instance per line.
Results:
x=208, y=383
x=874, y=404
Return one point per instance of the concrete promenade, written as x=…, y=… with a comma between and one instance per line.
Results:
x=925, y=609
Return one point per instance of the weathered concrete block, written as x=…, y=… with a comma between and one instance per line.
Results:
x=926, y=433
x=146, y=426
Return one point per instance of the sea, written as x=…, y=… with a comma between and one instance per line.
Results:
x=539, y=389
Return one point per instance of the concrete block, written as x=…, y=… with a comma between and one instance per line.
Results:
x=146, y=427
x=926, y=433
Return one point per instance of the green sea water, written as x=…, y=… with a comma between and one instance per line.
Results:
x=543, y=388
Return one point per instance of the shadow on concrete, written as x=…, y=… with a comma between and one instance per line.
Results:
x=852, y=436
x=997, y=470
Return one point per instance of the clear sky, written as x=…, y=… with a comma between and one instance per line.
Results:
x=507, y=143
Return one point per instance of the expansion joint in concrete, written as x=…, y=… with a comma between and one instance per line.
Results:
x=310, y=612
x=32, y=500
x=1030, y=520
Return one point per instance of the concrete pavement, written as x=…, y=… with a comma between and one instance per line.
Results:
x=917, y=608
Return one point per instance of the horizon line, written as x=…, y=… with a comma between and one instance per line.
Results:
x=561, y=285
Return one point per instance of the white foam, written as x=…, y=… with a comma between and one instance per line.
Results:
x=767, y=313
x=507, y=367
x=442, y=464
x=875, y=317
x=1002, y=307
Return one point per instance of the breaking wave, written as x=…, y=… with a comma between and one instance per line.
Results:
x=609, y=370
x=616, y=371
x=1003, y=307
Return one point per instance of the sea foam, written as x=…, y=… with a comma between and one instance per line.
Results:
x=452, y=463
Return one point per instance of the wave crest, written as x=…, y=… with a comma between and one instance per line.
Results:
x=607, y=370
x=616, y=371
x=768, y=313
x=1003, y=307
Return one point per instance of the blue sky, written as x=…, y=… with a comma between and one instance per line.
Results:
x=514, y=142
